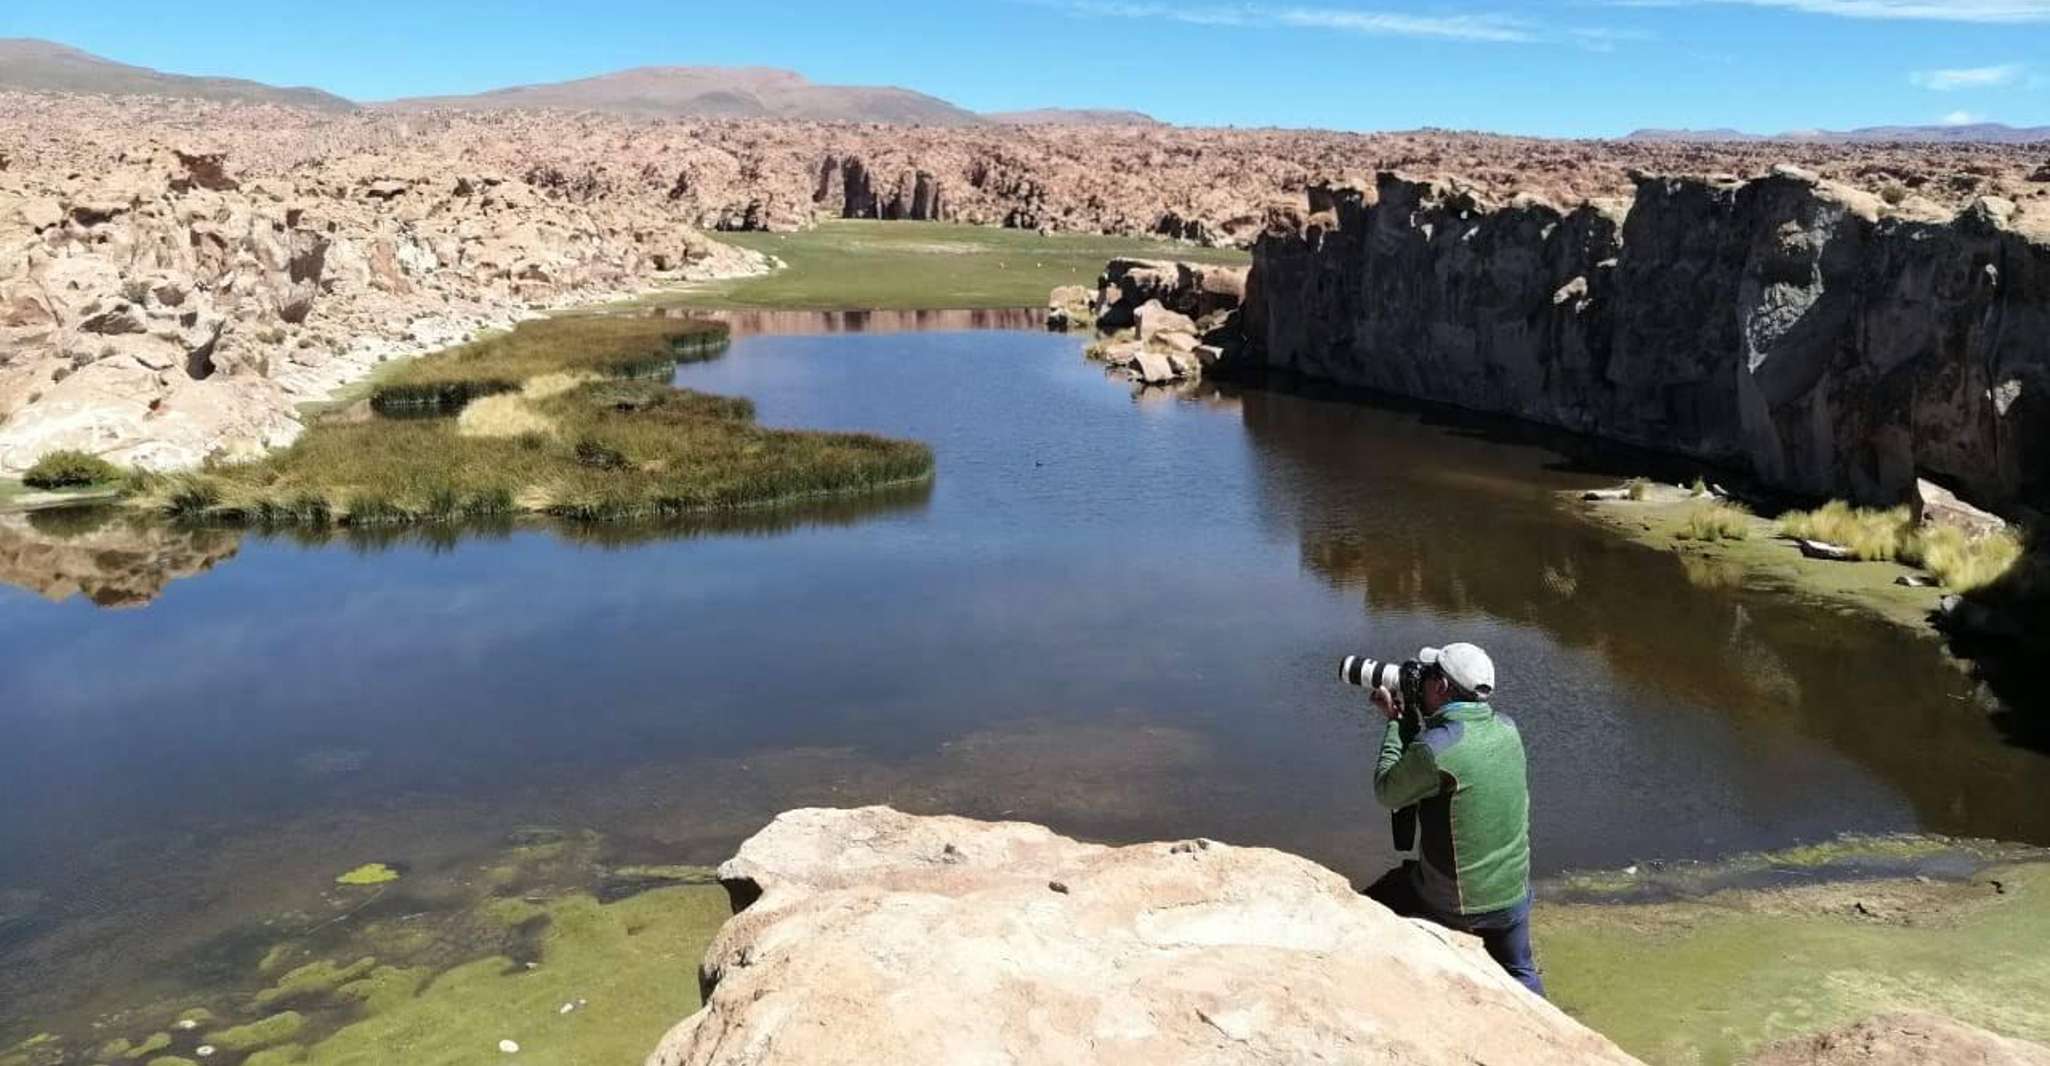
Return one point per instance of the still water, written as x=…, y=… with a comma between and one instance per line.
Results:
x=1117, y=614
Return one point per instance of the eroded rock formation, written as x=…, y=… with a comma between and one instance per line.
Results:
x=1825, y=338
x=875, y=936
x=163, y=301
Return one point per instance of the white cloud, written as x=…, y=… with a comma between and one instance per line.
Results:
x=1944, y=81
x=1475, y=27
x=1988, y=11
x=1959, y=118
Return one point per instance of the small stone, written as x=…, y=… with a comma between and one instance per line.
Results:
x=1058, y=886
x=188, y=1023
x=204, y=1051
x=565, y=1008
x=509, y=1047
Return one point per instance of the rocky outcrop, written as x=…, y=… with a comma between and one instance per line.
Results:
x=164, y=303
x=1160, y=322
x=874, y=936
x=1825, y=339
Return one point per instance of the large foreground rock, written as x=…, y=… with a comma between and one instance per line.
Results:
x=882, y=937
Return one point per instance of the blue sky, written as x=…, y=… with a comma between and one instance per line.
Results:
x=1562, y=67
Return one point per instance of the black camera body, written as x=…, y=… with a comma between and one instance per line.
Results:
x=1405, y=682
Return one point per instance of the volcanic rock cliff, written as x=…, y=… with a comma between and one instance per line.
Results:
x=1825, y=338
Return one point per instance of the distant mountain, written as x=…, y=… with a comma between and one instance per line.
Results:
x=1068, y=116
x=713, y=92
x=31, y=65
x=1974, y=133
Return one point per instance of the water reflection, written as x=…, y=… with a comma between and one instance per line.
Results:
x=808, y=323
x=102, y=555
x=120, y=559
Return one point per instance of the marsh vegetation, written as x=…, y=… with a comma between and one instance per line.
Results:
x=571, y=417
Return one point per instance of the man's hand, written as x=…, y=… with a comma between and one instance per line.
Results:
x=1386, y=702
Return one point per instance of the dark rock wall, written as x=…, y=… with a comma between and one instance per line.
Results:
x=1782, y=324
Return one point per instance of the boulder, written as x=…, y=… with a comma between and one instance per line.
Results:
x=1069, y=307
x=1153, y=319
x=1934, y=505
x=1152, y=368
x=1906, y=1038
x=873, y=936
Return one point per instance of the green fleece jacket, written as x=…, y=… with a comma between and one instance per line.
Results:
x=1465, y=773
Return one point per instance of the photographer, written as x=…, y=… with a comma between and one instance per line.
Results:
x=1464, y=772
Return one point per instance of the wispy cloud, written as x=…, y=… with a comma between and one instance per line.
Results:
x=1944, y=81
x=1985, y=11
x=1487, y=27
x=1604, y=39
x=1959, y=118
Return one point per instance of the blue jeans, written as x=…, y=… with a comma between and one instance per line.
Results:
x=1505, y=933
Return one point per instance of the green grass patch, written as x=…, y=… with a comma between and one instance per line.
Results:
x=70, y=469
x=596, y=345
x=860, y=265
x=617, y=450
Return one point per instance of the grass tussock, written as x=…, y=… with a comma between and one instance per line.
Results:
x=556, y=352
x=1638, y=488
x=1963, y=563
x=70, y=469
x=1876, y=535
x=1960, y=561
x=1718, y=521
x=619, y=450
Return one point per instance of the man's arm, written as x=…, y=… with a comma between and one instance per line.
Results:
x=1405, y=773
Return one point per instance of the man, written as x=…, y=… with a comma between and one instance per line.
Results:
x=1465, y=773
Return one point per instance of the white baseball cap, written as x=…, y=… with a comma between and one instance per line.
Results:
x=1465, y=665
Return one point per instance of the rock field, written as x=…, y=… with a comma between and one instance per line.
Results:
x=176, y=276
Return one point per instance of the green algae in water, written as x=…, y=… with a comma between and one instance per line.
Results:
x=372, y=873
x=632, y=963
x=313, y=980
x=172, y=1060
x=384, y=988
x=276, y=1029
x=157, y=1042
x=286, y=1055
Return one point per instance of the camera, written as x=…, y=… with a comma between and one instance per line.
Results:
x=1405, y=680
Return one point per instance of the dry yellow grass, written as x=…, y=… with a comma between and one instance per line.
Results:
x=1961, y=562
x=1719, y=521
x=503, y=415
x=1869, y=534
x=546, y=385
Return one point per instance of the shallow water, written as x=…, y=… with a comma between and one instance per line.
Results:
x=1116, y=614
